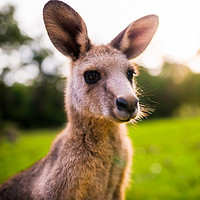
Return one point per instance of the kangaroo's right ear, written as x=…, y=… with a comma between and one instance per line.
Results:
x=66, y=29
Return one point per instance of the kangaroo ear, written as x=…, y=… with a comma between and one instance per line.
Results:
x=135, y=38
x=66, y=29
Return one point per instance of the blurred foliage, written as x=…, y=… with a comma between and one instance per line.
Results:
x=13, y=43
x=33, y=106
x=175, y=86
x=10, y=33
x=38, y=100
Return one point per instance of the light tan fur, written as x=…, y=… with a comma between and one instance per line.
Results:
x=91, y=158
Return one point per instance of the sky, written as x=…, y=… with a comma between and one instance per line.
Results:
x=176, y=40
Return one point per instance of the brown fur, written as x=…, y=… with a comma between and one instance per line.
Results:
x=91, y=158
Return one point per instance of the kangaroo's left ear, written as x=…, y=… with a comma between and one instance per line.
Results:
x=135, y=38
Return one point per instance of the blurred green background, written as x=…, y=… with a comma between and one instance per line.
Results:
x=166, y=163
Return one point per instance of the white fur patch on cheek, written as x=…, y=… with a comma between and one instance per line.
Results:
x=76, y=100
x=76, y=93
x=105, y=106
x=81, y=101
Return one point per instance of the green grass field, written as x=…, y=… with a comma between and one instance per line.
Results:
x=166, y=163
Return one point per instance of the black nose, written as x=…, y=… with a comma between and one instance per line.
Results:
x=127, y=106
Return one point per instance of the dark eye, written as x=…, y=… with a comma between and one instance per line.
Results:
x=91, y=77
x=130, y=75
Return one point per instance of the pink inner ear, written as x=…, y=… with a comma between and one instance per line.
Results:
x=136, y=37
x=139, y=34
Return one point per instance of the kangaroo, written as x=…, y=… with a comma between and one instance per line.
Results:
x=91, y=158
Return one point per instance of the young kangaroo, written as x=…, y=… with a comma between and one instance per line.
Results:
x=90, y=159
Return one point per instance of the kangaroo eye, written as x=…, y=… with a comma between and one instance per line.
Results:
x=130, y=75
x=91, y=77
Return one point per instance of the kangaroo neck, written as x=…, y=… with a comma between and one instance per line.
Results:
x=91, y=128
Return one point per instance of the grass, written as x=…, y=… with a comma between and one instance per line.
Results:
x=29, y=147
x=166, y=163
x=167, y=160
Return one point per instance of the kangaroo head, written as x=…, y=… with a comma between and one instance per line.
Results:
x=101, y=83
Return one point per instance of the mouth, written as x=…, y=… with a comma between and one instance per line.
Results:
x=120, y=120
x=122, y=117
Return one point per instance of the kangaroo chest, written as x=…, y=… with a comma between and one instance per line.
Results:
x=86, y=168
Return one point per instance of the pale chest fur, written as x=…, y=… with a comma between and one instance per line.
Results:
x=93, y=168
